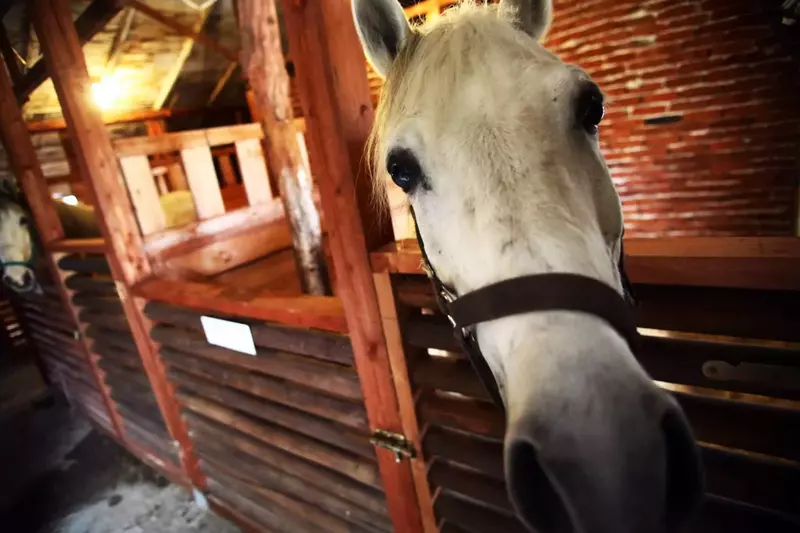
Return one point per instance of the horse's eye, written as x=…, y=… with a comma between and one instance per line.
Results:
x=404, y=169
x=590, y=108
x=24, y=222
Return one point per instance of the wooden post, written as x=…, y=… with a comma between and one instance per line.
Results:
x=264, y=67
x=332, y=80
x=98, y=165
x=25, y=165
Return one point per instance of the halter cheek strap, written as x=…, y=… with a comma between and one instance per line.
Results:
x=528, y=294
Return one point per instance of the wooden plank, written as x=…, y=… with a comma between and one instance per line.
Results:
x=479, y=453
x=254, y=172
x=212, y=434
x=350, y=414
x=78, y=246
x=143, y=192
x=11, y=61
x=318, y=312
x=202, y=177
x=269, y=100
x=405, y=395
x=292, y=419
x=330, y=379
x=318, y=344
x=475, y=518
x=310, y=450
x=333, y=87
x=463, y=414
x=232, y=134
x=97, y=163
x=160, y=144
x=185, y=31
x=490, y=492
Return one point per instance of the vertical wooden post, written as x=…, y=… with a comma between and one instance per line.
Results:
x=332, y=80
x=98, y=165
x=25, y=165
x=263, y=61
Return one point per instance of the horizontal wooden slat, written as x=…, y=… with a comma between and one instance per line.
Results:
x=464, y=414
x=490, y=492
x=117, y=323
x=212, y=434
x=482, y=454
x=317, y=312
x=345, y=412
x=320, y=344
x=292, y=419
x=335, y=510
x=72, y=246
x=90, y=284
x=174, y=142
x=474, y=518
x=314, y=451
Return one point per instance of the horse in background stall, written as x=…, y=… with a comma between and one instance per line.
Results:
x=18, y=240
x=493, y=139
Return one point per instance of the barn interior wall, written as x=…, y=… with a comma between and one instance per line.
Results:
x=702, y=132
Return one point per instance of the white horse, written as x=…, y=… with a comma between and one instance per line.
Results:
x=494, y=140
x=17, y=242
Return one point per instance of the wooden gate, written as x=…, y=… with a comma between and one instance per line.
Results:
x=719, y=319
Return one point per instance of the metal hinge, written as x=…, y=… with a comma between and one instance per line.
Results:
x=394, y=442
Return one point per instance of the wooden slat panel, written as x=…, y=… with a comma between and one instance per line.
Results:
x=349, y=413
x=491, y=492
x=482, y=454
x=320, y=344
x=463, y=414
x=93, y=285
x=254, y=171
x=474, y=518
x=143, y=192
x=202, y=178
x=210, y=434
x=90, y=264
x=331, y=379
x=293, y=419
x=345, y=463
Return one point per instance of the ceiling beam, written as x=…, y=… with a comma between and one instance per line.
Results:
x=118, y=44
x=186, y=31
x=89, y=23
x=9, y=54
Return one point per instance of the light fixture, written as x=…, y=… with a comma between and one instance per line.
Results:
x=106, y=92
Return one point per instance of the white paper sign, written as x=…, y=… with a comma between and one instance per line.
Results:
x=227, y=334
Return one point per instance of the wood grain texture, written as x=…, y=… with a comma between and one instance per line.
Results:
x=143, y=192
x=254, y=171
x=202, y=178
x=97, y=163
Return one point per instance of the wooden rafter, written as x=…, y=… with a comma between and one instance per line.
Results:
x=89, y=23
x=177, y=67
x=186, y=31
x=222, y=82
x=10, y=55
x=118, y=44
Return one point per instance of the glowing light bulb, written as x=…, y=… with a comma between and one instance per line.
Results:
x=106, y=92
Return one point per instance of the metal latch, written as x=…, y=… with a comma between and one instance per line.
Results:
x=394, y=442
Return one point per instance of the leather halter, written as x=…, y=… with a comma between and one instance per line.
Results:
x=527, y=294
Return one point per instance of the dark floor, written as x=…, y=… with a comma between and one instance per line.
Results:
x=61, y=476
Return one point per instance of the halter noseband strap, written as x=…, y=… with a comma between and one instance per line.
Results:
x=528, y=294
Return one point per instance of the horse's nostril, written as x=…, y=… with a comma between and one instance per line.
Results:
x=531, y=492
x=8, y=280
x=684, y=477
x=27, y=279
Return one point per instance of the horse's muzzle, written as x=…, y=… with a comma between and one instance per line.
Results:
x=604, y=467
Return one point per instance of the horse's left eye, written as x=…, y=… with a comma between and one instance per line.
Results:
x=24, y=222
x=590, y=108
x=404, y=168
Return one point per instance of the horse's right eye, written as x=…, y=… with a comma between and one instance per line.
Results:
x=404, y=168
x=24, y=222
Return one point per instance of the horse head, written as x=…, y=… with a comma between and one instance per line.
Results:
x=16, y=241
x=495, y=142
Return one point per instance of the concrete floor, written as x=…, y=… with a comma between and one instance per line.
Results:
x=59, y=475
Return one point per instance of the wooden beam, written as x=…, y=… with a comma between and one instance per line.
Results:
x=186, y=31
x=265, y=69
x=25, y=165
x=9, y=54
x=61, y=49
x=89, y=23
x=222, y=82
x=177, y=67
x=332, y=81
x=118, y=44
x=125, y=117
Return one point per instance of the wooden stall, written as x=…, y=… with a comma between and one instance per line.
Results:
x=718, y=318
x=350, y=411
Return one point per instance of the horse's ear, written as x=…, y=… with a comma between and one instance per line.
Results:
x=533, y=16
x=383, y=28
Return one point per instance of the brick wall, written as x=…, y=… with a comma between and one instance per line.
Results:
x=702, y=133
